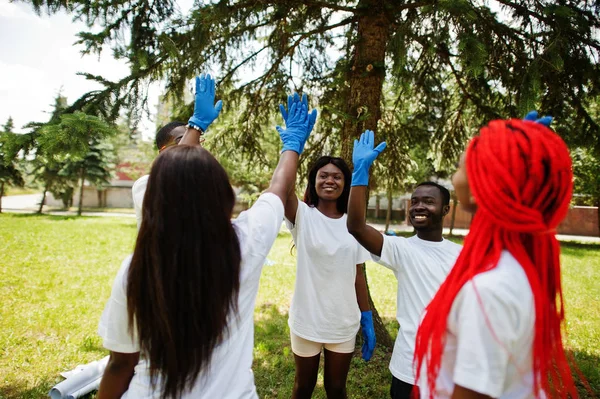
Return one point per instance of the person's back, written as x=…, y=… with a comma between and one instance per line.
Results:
x=229, y=373
x=476, y=360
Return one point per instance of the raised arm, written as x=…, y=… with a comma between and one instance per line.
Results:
x=291, y=202
x=205, y=110
x=291, y=205
x=293, y=137
x=363, y=156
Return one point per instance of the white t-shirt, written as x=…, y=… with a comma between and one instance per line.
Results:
x=497, y=362
x=230, y=376
x=324, y=307
x=137, y=192
x=420, y=267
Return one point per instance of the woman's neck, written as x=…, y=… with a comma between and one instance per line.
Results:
x=329, y=209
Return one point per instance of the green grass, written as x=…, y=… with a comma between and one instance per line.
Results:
x=88, y=209
x=56, y=274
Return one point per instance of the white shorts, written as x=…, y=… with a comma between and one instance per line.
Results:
x=305, y=348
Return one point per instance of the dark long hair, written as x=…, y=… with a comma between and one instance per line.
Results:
x=310, y=195
x=183, y=280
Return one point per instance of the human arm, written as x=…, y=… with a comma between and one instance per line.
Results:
x=118, y=338
x=360, y=285
x=363, y=156
x=205, y=110
x=117, y=375
x=366, y=316
x=284, y=176
x=367, y=236
x=291, y=205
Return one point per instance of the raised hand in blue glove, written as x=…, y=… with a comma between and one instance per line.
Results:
x=205, y=109
x=363, y=156
x=312, y=116
x=368, y=333
x=296, y=131
x=532, y=116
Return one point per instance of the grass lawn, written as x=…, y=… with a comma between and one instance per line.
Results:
x=88, y=209
x=56, y=274
x=21, y=191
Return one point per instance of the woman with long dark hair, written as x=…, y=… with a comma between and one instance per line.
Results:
x=330, y=300
x=494, y=327
x=179, y=322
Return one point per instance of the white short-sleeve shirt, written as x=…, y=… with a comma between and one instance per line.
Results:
x=324, y=306
x=138, y=190
x=489, y=337
x=420, y=267
x=230, y=375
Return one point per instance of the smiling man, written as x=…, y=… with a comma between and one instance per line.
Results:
x=420, y=263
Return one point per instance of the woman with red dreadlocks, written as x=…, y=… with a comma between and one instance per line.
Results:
x=494, y=327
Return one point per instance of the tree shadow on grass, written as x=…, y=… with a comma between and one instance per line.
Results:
x=23, y=390
x=274, y=367
x=45, y=216
x=61, y=218
x=588, y=366
x=41, y=390
x=578, y=249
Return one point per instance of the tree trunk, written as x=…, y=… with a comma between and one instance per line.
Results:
x=367, y=73
x=388, y=214
x=453, y=216
x=43, y=201
x=377, y=205
x=383, y=336
x=365, y=80
x=82, y=177
x=1, y=195
x=598, y=212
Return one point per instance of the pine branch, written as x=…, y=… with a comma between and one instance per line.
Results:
x=289, y=50
x=267, y=3
x=444, y=54
x=242, y=63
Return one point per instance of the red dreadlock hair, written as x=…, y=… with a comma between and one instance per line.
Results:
x=520, y=175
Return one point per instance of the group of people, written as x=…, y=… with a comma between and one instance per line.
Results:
x=483, y=320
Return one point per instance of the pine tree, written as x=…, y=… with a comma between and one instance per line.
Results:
x=10, y=145
x=95, y=167
x=68, y=139
x=501, y=57
x=450, y=64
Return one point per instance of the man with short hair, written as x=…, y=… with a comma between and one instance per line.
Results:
x=168, y=135
x=420, y=263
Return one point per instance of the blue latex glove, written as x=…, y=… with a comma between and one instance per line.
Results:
x=205, y=109
x=363, y=156
x=296, y=131
x=312, y=116
x=533, y=117
x=368, y=333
